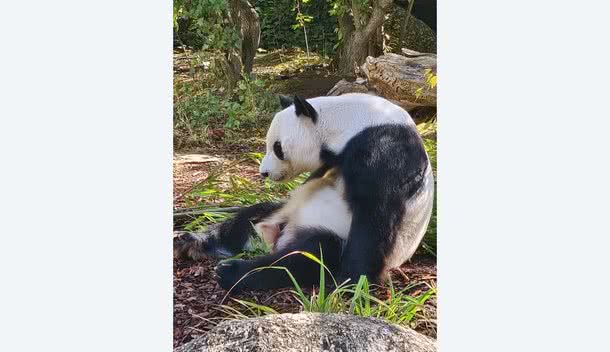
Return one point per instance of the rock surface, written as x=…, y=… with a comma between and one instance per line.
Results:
x=306, y=332
x=420, y=37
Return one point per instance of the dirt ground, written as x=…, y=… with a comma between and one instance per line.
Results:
x=197, y=297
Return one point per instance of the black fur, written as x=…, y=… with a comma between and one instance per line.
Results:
x=285, y=101
x=304, y=270
x=302, y=107
x=382, y=166
x=231, y=236
x=235, y=232
x=321, y=171
x=329, y=158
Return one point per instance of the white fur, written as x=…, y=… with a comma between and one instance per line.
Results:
x=415, y=221
x=339, y=119
x=318, y=204
x=326, y=209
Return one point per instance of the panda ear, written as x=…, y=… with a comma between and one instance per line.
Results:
x=302, y=107
x=285, y=101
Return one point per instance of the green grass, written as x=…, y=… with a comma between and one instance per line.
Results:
x=429, y=242
x=224, y=188
x=355, y=298
x=207, y=112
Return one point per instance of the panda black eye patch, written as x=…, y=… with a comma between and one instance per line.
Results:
x=277, y=149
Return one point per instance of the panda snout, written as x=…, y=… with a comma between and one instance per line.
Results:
x=265, y=174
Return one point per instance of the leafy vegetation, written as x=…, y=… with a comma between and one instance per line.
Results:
x=204, y=24
x=204, y=106
x=278, y=30
x=224, y=188
x=212, y=112
x=356, y=298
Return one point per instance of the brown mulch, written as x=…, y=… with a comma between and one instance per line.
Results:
x=197, y=296
x=190, y=169
x=187, y=174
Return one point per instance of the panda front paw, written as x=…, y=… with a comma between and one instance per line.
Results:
x=229, y=272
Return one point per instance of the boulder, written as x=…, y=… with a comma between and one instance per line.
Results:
x=306, y=332
x=419, y=36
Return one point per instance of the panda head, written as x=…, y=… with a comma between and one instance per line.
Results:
x=293, y=144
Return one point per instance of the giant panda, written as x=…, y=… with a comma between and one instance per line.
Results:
x=382, y=189
x=314, y=217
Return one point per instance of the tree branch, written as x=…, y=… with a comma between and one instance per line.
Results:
x=377, y=17
x=358, y=15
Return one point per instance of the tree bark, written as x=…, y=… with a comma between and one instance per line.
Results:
x=358, y=31
x=345, y=87
x=402, y=78
x=403, y=25
x=246, y=21
x=377, y=43
x=398, y=78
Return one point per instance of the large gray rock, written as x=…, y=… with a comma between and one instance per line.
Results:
x=306, y=332
x=419, y=37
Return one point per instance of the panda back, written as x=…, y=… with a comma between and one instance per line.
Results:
x=343, y=117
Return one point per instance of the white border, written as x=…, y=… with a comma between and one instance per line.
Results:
x=85, y=144
x=523, y=176
x=86, y=148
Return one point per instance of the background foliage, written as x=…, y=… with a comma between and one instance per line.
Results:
x=209, y=114
x=277, y=31
x=203, y=24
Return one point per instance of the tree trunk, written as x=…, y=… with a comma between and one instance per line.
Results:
x=358, y=31
x=353, y=52
x=246, y=21
x=231, y=68
x=377, y=43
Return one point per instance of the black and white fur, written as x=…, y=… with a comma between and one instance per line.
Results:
x=315, y=217
x=383, y=178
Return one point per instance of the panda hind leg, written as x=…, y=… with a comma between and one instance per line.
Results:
x=231, y=274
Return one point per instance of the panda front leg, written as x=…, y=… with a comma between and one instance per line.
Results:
x=232, y=274
x=225, y=239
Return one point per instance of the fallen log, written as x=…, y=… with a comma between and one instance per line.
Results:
x=344, y=86
x=402, y=78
